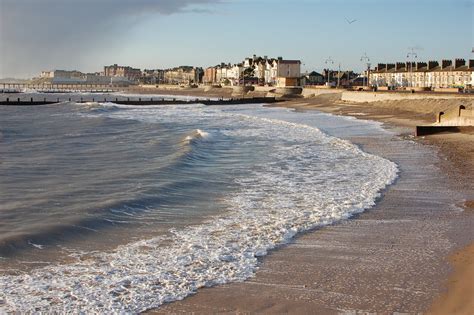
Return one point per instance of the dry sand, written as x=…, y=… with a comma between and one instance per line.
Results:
x=392, y=258
x=459, y=297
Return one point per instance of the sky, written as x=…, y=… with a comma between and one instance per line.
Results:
x=85, y=35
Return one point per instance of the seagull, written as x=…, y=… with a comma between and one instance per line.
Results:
x=350, y=21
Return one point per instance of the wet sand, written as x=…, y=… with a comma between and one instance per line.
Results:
x=391, y=258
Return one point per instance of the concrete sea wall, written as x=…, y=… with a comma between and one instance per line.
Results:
x=367, y=97
x=461, y=116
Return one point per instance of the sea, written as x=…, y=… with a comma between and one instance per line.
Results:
x=119, y=209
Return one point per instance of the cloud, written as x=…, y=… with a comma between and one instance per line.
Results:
x=37, y=35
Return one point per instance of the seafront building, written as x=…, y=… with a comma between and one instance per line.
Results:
x=113, y=74
x=257, y=70
x=124, y=75
x=131, y=74
x=226, y=74
x=183, y=75
x=178, y=75
x=152, y=76
x=312, y=78
x=433, y=75
x=75, y=77
x=229, y=74
x=429, y=75
x=61, y=74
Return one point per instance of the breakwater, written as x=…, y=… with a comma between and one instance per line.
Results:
x=139, y=101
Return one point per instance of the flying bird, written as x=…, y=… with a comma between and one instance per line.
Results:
x=350, y=21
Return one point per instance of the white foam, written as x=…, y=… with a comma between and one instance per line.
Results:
x=28, y=90
x=197, y=135
x=306, y=179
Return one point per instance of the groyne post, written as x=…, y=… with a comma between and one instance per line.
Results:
x=461, y=107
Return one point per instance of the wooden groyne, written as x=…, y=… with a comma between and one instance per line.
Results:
x=140, y=101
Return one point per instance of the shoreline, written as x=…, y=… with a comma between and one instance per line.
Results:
x=460, y=162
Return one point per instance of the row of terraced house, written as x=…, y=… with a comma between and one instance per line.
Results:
x=432, y=74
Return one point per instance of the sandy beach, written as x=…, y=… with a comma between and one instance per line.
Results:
x=411, y=253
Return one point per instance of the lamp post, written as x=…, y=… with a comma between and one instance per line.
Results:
x=412, y=55
x=302, y=66
x=367, y=61
x=339, y=75
x=472, y=73
x=328, y=61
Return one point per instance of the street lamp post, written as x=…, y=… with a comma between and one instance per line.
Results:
x=328, y=61
x=339, y=75
x=367, y=61
x=411, y=56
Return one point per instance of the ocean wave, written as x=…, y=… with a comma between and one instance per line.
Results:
x=197, y=134
x=306, y=179
x=98, y=107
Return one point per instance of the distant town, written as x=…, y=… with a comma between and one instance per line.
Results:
x=444, y=75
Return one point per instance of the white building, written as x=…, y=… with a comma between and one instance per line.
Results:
x=432, y=74
x=280, y=68
x=230, y=73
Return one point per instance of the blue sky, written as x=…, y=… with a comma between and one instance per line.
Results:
x=85, y=34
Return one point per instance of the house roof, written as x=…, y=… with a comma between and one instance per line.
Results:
x=424, y=68
x=314, y=74
x=290, y=61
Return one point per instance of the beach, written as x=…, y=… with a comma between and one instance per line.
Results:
x=411, y=253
